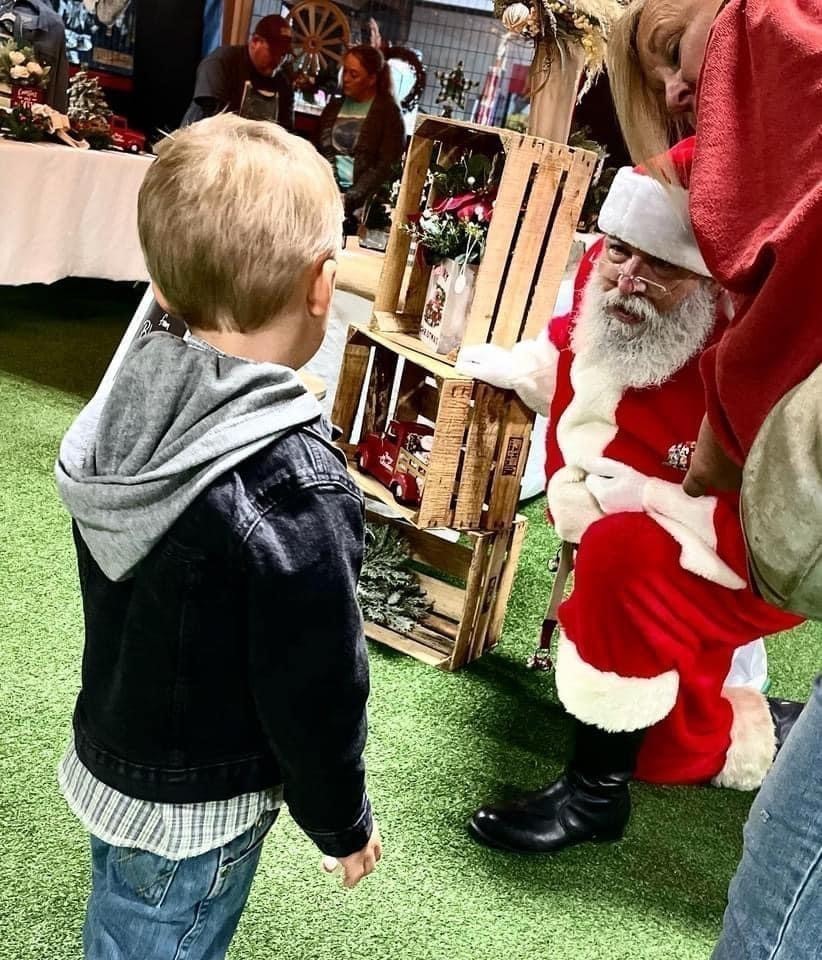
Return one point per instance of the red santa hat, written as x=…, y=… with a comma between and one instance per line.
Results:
x=653, y=217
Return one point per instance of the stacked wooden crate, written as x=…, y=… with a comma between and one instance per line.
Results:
x=481, y=434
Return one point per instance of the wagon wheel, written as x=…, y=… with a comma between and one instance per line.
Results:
x=321, y=36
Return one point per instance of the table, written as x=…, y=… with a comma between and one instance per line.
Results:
x=69, y=213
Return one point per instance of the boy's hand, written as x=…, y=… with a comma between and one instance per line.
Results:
x=357, y=865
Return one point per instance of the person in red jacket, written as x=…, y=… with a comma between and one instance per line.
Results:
x=660, y=600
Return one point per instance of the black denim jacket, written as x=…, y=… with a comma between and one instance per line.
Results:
x=234, y=659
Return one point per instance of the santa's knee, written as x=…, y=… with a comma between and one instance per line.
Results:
x=621, y=550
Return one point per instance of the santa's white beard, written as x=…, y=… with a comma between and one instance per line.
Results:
x=647, y=353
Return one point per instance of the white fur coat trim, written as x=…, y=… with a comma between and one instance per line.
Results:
x=606, y=699
x=534, y=372
x=690, y=521
x=753, y=740
x=589, y=424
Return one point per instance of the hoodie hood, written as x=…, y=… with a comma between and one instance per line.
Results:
x=179, y=414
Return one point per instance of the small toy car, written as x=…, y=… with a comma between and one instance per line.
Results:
x=124, y=138
x=398, y=458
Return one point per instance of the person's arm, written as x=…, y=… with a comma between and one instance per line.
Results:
x=211, y=93
x=390, y=148
x=308, y=664
x=529, y=368
x=756, y=207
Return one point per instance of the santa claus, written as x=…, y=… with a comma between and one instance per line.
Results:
x=661, y=598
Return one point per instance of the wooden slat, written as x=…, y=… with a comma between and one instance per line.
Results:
x=436, y=509
x=407, y=346
x=395, y=324
x=417, y=160
x=449, y=558
x=512, y=452
x=358, y=271
x=513, y=186
x=510, y=316
x=383, y=368
x=416, y=397
x=371, y=487
x=473, y=599
x=412, y=648
x=349, y=387
x=559, y=244
x=417, y=292
x=445, y=626
x=506, y=581
x=493, y=570
x=480, y=448
x=448, y=600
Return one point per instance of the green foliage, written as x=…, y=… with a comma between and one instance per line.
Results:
x=23, y=124
x=471, y=173
x=389, y=592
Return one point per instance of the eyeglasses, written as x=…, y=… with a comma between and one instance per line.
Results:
x=661, y=276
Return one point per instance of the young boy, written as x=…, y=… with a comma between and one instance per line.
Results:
x=219, y=542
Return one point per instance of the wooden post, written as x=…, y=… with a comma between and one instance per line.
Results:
x=237, y=20
x=554, y=81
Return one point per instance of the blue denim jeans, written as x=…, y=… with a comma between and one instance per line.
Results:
x=143, y=906
x=775, y=900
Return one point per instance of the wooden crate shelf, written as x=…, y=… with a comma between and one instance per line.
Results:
x=541, y=191
x=481, y=434
x=468, y=585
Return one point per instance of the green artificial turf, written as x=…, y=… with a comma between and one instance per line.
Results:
x=439, y=745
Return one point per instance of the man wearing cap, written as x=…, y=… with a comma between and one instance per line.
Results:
x=222, y=76
x=661, y=599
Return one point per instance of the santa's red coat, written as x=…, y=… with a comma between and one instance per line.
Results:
x=660, y=599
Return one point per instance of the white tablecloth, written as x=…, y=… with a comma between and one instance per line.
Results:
x=68, y=213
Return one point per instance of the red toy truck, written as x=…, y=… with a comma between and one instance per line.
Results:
x=124, y=138
x=398, y=458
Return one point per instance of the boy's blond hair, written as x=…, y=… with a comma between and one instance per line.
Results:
x=231, y=214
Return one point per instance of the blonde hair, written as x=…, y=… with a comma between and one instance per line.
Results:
x=231, y=215
x=648, y=128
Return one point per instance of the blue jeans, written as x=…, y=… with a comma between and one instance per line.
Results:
x=775, y=900
x=143, y=906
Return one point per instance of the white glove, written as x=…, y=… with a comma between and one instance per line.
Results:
x=617, y=487
x=571, y=503
x=489, y=363
x=529, y=367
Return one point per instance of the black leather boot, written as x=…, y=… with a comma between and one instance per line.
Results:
x=590, y=801
x=785, y=713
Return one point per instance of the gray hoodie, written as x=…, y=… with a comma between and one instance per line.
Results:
x=178, y=415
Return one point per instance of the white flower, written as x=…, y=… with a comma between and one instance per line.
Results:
x=18, y=73
x=16, y=57
x=34, y=68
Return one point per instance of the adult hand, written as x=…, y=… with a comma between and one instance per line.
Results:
x=359, y=864
x=617, y=487
x=489, y=363
x=711, y=468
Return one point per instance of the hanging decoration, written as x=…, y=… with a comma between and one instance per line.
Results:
x=570, y=38
x=454, y=87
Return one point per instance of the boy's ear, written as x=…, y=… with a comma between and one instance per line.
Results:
x=323, y=279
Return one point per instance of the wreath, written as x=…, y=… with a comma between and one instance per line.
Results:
x=412, y=98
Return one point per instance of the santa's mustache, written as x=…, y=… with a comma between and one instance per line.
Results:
x=639, y=307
